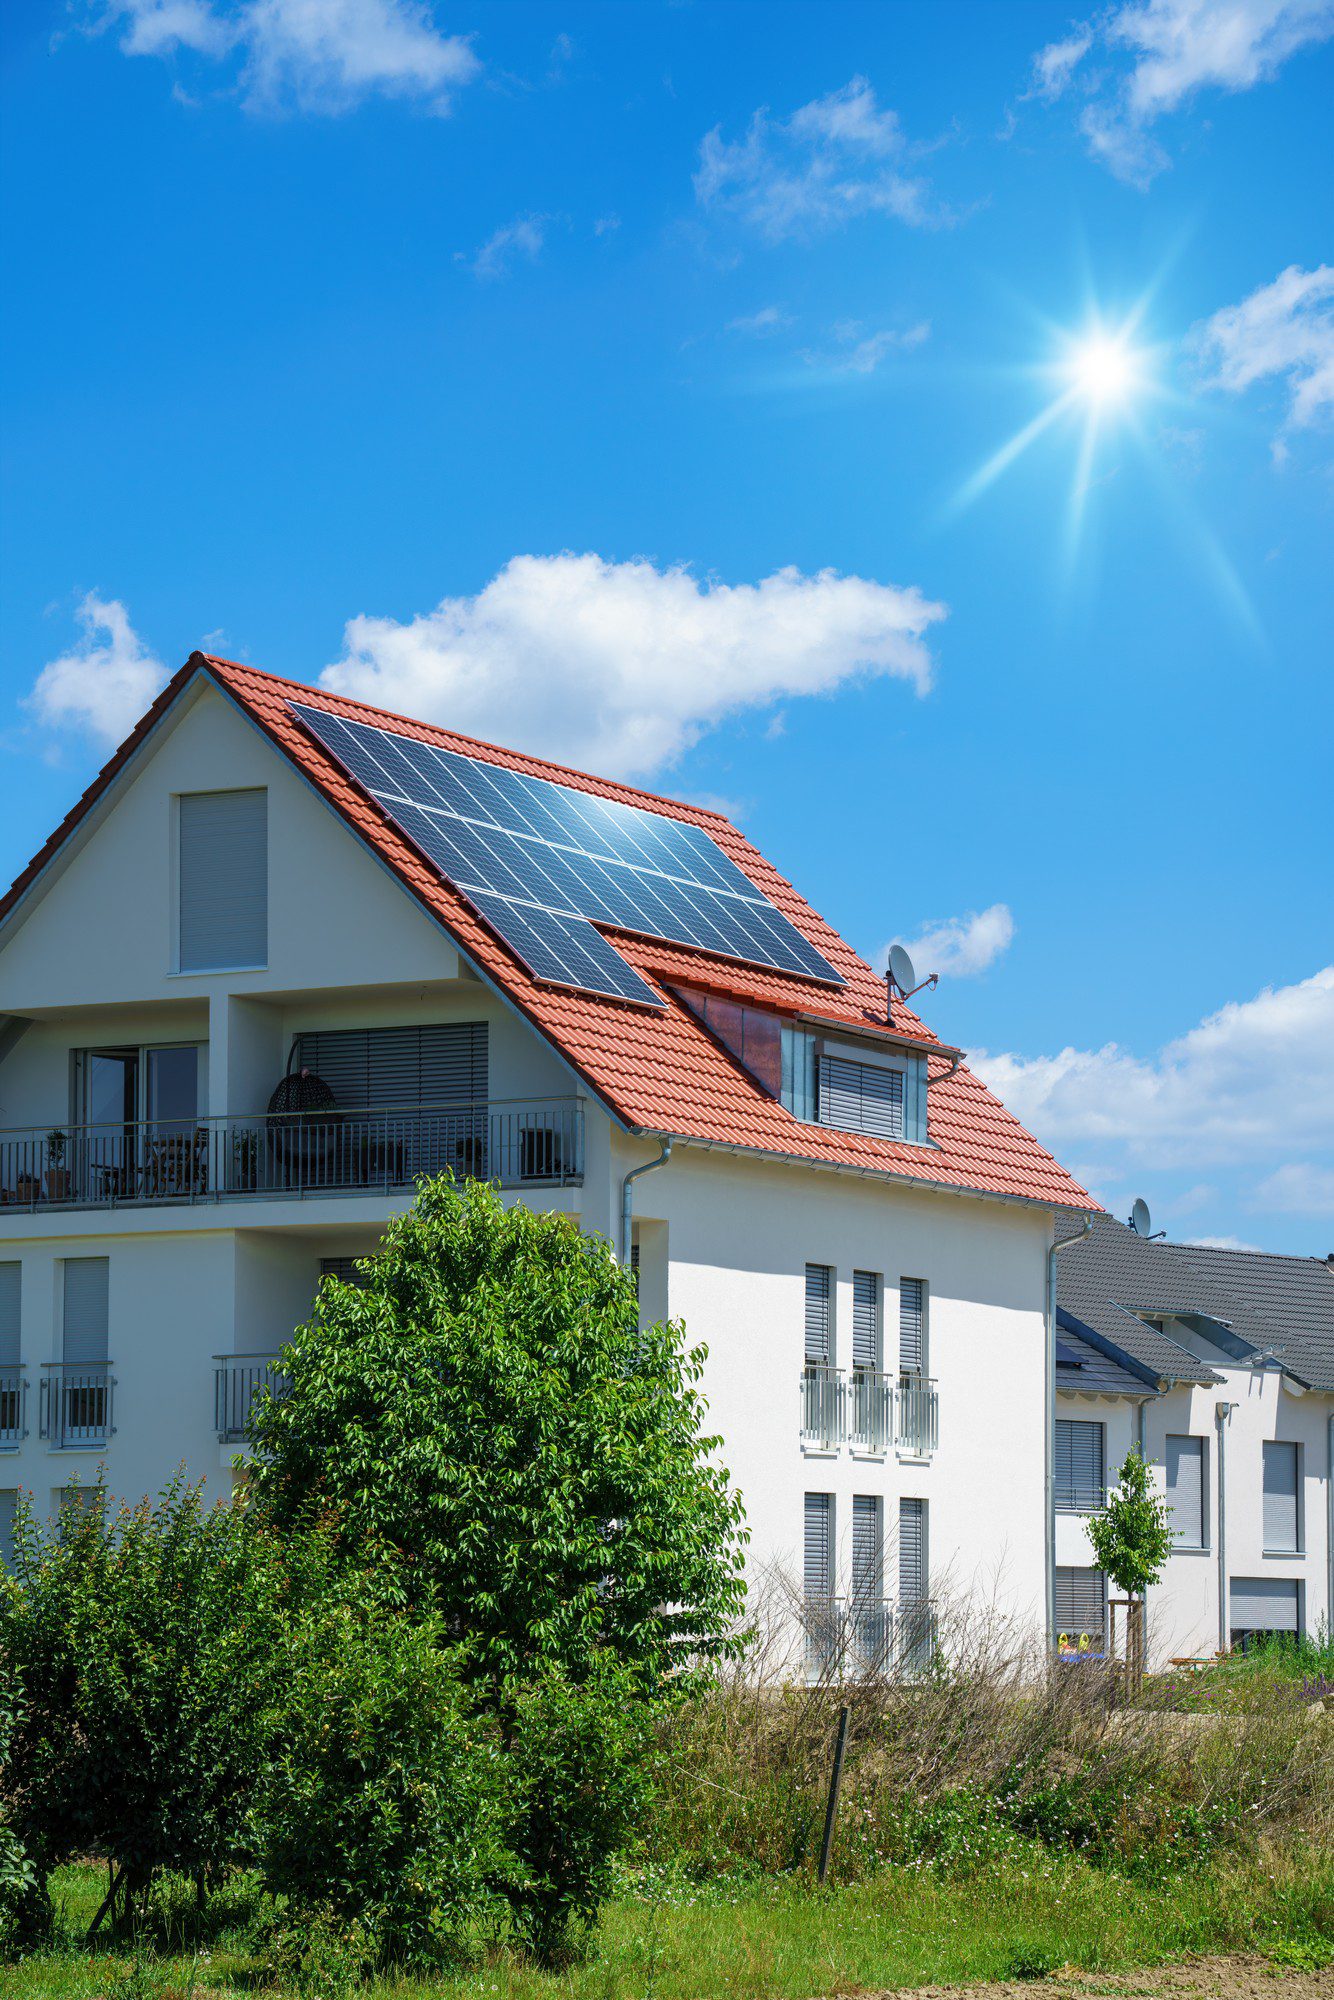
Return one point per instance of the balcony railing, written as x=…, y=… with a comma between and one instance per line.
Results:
x=13, y=1406
x=870, y=1411
x=522, y=1142
x=76, y=1403
x=1080, y=1499
x=853, y=1638
x=237, y=1380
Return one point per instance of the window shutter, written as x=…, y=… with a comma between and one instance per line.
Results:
x=11, y=1344
x=860, y=1097
x=868, y=1548
x=1280, y=1497
x=345, y=1268
x=818, y=1568
x=9, y=1500
x=912, y=1552
x=912, y=1326
x=379, y=1068
x=1185, y=1490
x=1263, y=1604
x=85, y=1311
x=1080, y=1474
x=224, y=880
x=818, y=1326
x=866, y=1319
x=1081, y=1603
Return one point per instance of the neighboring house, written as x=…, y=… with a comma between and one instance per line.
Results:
x=1220, y=1364
x=288, y=952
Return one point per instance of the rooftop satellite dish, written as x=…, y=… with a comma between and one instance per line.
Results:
x=901, y=969
x=1140, y=1219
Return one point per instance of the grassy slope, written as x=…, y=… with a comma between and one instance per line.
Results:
x=904, y=1928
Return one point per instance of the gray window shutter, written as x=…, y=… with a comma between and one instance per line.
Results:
x=1080, y=1465
x=868, y=1548
x=913, y=1579
x=818, y=1554
x=912, y=1326
x=9, y=1500
x=861, y=1097
x=85, y=1311
x=1263, y=1604
x=1081, y=1604
x=866, y=1319
x=346, y=1268
x=818, y=1327
x=11, y=1342
x=224, y=880
x=380, y=1068
x=1185, y=1490
x=1280, y=1497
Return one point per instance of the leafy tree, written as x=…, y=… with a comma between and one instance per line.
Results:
x=1132, y=1538
x=486, y=1407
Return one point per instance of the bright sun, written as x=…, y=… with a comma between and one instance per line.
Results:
x=1103, y=369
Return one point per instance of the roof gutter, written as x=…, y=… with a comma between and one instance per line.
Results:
x=1049, y=1425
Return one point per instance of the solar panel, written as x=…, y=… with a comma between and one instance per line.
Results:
x=544, y=863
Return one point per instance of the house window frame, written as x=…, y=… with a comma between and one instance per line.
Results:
x=1298, y=1547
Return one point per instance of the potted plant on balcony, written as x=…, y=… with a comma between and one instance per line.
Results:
x=57, y=1173
x=245, y=1160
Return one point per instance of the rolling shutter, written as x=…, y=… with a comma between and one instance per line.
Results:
x=818, y=1552
x=346, y=1268
x=85, y=1311
x=912, y=1552
x=1263, y=1604
x=912, y=1326
x=866, y=1319
x=868, y=1548
x=224, y=880
x=818, y=1327
x=9, y=1500
x=861, y=1097
x=378, y=1068
x=1080, y=1476
x=1081, y=1604
x=1185, y=1490
x=11, y=1346
x=1280, y=1498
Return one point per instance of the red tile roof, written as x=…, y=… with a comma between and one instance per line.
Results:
x=659, y=1072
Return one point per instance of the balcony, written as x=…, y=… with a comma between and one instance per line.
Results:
x=533, y=1142
x=13, y=1406
x=76, y=1403
x=237, y=1380
x=855, y=1638
x=869, y=1411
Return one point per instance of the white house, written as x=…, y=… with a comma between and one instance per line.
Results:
x=287, y=952
x=1219, y=1364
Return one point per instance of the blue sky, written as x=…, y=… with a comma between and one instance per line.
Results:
x=624, y=382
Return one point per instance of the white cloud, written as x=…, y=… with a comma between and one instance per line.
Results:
x=1152, y=56
x=620, y=666
x=837, y=157
x=524, y=237
x=769, y=319
x=1256, y=1077
x=861, y=353
x=959, y=947
x=313, y=55
x=1282, y=332
x=1301, y=1187
x=103, y=684
x=1221, y=1243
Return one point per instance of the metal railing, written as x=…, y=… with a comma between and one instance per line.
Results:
x=13, y=1406
x=868, y=1410
x=237, y=1380
x=519, y=1142
x=1081, y=1499
x=77, y=1403
x=853, y=1638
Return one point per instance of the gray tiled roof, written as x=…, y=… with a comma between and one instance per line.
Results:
x=1285, y=1304
x=1088, y=1372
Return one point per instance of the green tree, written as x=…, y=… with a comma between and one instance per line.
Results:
x=1132, y=1537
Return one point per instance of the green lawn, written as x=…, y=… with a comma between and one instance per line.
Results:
x=905, y=1927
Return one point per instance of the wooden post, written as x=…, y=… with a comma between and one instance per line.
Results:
x=835, y=1780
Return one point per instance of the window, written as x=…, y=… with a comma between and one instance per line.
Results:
x=77, y=1393
x=781, y=1058
x=115, y=1088
x=85, y=1499
x=819, y=1315
x=886, y=1100
x=441, y=1062
x=11, y=1356
x=85, y=1312
x=868, y=1548
x=1080, y=1466
x=912, y=1326
x=818, y=1550
x=1081, y=1612
x=346, y=1268
x=1262, y=1606
x=9, y=1500
x=866, y=1320
x=914, y=1580
x=1186, y=1470
x=1282, y=1512
x=223, y=851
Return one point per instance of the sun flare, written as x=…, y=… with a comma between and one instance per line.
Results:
x=1104, y=369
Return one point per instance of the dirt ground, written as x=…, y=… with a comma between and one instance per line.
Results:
x=1205, y=1979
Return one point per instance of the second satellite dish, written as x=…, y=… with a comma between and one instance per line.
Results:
x=1140, y=1219
x=901, y=969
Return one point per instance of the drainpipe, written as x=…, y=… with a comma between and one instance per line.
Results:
x=1329, y=1534
x=628, y=1200
x=1141, y=1441
x=1049, y=1428
x=1222, y=1412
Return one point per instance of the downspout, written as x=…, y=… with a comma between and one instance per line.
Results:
x=1222, y=1412
x=1049, y=1427
x=628, y=1200
x=1329, y=1533
x=1141, y=1441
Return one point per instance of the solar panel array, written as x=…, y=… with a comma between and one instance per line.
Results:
x=543, y=863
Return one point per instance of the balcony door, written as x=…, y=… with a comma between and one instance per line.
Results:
x=137, y=1108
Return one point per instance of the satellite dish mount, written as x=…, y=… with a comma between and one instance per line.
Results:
x=1142, y=1222
x=901, y=976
